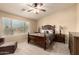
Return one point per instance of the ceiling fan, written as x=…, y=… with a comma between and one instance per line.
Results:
x=35, y=7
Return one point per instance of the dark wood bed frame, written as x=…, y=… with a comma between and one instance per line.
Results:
x=41, y=41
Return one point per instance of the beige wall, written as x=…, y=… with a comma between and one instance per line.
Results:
x=77, y=24
x=65, y=18
x=32, y=22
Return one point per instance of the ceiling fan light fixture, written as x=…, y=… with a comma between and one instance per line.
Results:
x=35, y=8
x=36, y=11
x=39, y=7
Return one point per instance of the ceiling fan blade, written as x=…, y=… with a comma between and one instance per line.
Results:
x=29, y=10
x=23, y=9
x=43, y=10
x=41, y=4
x=30, y=5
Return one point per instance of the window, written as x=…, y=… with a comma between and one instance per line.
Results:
x=13, y=26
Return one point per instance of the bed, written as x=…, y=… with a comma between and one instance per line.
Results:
x=44, y=38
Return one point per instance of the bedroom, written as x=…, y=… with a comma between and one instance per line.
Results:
x=19, y=17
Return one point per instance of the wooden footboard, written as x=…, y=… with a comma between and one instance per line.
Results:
x=41, y=41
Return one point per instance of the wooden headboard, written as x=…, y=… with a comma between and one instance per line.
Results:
x=49, y=27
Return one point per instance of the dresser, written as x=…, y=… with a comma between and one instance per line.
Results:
x=74, y=43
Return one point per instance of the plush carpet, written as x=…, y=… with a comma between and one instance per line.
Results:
x=29, y=49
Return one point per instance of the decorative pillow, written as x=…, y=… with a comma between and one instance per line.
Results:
x=42, y=31
x=49, y=31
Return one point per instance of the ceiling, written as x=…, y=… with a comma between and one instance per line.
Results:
x=15, y=8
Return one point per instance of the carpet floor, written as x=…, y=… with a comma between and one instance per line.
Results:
x=29, y=49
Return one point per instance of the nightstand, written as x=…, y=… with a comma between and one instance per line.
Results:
x=1, y=41
x=59, y=38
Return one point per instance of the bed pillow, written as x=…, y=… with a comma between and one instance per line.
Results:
x=46, y=31
x=42, y=31
x=49, y=31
